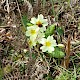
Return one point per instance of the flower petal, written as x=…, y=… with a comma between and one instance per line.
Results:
x=45, y=24
x=27, y=33
x=40, y=36
x=43, y=40
x=33, y=20
x=50, y=49
x=32, y=42
x=42, y=29
x=43, y=48
x=40, y=17
x=54, y=43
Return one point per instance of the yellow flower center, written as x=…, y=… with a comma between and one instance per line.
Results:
x=48, y=43
x=33, y=32
x=30, y=42
x=39, y=23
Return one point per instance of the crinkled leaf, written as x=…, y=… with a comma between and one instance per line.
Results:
x=50, y=30
x=57, y=53
x=24, y=22
x=60, y=31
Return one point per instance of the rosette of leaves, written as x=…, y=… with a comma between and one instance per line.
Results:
x=50, y=30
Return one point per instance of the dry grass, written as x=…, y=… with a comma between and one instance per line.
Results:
x=15, y=64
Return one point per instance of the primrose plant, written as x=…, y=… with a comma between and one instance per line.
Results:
x=37, y=34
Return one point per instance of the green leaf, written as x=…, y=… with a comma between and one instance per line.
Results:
x=60, y=31
x=50, y=30
x=29, y=24
x=57, y=53
x=24, y=20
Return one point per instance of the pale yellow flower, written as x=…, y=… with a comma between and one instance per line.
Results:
x=48, y=44
x=32, y=42
x=32, y=32
x=40, y=22
x=40, y=36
